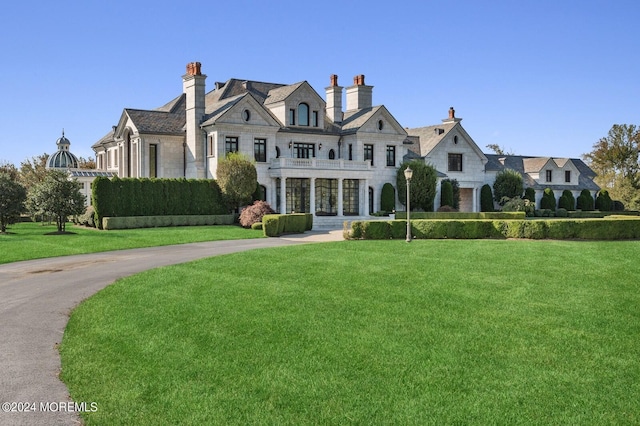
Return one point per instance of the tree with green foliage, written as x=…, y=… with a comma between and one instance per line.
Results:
x=388, y=198
x=615, y=160
x=33, y=171
x=530, y=194
x=423, y=185
x=567, y=201
x=12, y=198
x=58, y=196
x=486, y=198
x=455, y=186
x=498, y=149
x=508, y=183
x=446, y=193
x=585, y=200
x=548, y=201
x=237, y=177
x=603, y=201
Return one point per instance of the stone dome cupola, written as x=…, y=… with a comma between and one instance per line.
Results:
x=63, y=158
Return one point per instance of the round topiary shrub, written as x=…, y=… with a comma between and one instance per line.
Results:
x=567, y=201
x=254, y=213
x=585, y=200
x=548, y=201
x=603, y=201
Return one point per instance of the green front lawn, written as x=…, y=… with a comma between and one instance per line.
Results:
x=368, y=332
x=30, y=240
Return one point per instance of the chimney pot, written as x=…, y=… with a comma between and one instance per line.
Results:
x=334, y=80
x=358, y=80
x=452, y=113
x=193, y=68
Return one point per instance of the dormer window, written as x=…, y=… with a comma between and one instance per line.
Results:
x=549, y=175
x=567, y=176
x=303, y=114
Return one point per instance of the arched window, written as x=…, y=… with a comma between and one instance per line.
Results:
x=303, y=114
x=277, y=152
x=332, y=154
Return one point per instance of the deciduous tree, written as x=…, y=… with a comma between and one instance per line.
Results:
x=508, y=184
x=12, y=198
x=423, y=185
x=237, y=178
x=615, y=160
x=58, y=196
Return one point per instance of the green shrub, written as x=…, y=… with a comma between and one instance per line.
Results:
x=585, y=201
x=376, y=230
x=398, y=229
x=567, y=200
x=388, y=198
x=603, y=201
x=446, y=193
x=486, y=199
x=530, y=194
x=508, y=183
x=548, y=201
x=561, y=212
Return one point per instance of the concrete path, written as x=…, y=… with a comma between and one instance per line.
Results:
x=36, y=298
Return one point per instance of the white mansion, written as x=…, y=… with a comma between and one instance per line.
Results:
x=310, y=155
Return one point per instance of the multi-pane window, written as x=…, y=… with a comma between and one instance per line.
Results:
x=314, y=118
x=549, y=175
x=303, y=114
x=567, y=176
x=153, y=160
x=368, y=153
x=230, y=144
x=292, y=117
x=391, y=155
x=350, y=197
x=298, y=195
x=304, y=150
x=326, y=197
x=455, y=162
x=260, y=150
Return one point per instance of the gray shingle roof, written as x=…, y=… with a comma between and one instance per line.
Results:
x=430, y=136
x=157, y=122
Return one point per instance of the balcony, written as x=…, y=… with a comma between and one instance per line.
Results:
x=319, y=164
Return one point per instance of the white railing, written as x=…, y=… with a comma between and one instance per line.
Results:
x=319, y=164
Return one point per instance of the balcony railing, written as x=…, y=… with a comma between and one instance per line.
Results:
x=319, y=164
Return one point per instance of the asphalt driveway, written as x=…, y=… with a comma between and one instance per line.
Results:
x=36, y=298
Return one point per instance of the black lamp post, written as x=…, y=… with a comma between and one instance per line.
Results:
x=408, y=174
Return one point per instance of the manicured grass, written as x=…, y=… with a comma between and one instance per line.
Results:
x=26, y=241
x=368, y=332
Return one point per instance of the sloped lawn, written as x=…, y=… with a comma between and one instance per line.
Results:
x=368, y=332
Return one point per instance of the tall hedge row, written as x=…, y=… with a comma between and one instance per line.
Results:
x=155, y=197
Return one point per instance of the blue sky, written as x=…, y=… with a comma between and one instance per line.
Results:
x=536, y=77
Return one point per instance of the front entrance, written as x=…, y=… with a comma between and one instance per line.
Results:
x=298, y=195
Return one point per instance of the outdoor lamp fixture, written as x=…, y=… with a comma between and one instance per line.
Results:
x=320, y=147
x=408, y=174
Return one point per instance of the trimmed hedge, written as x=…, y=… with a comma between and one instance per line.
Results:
x=133, y=222
x=612, y=228
x=461, y=215
x=155, y=197
x=275, y=225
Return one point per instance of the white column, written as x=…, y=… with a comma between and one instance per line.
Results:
x=312, y=196
x=340, y=196
x=283, y=195
x=474, y=207
x=366, y=198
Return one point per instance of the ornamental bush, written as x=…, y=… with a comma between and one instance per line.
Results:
x=446, y=193
x=254, y=213
x=567, y=201
x=548, y=201
x=530, y=194
x=508, y=183
x=486, y=199
x=603, y=201
x=388, y=198
x=585, y=201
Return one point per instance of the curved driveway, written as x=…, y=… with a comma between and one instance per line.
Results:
x=36, y=298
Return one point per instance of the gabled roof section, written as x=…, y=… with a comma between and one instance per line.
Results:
x=281, y=93
x=157, y=122
x=234, y=87
x=218, y=109
x=517, y=163
x=176, y=105
x=354, y=120
x=430, y=136
x=104, y=140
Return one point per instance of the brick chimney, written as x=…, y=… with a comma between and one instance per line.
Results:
x=193, y=87
x=334, y=100
x=359, y=96
x=452, y=117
